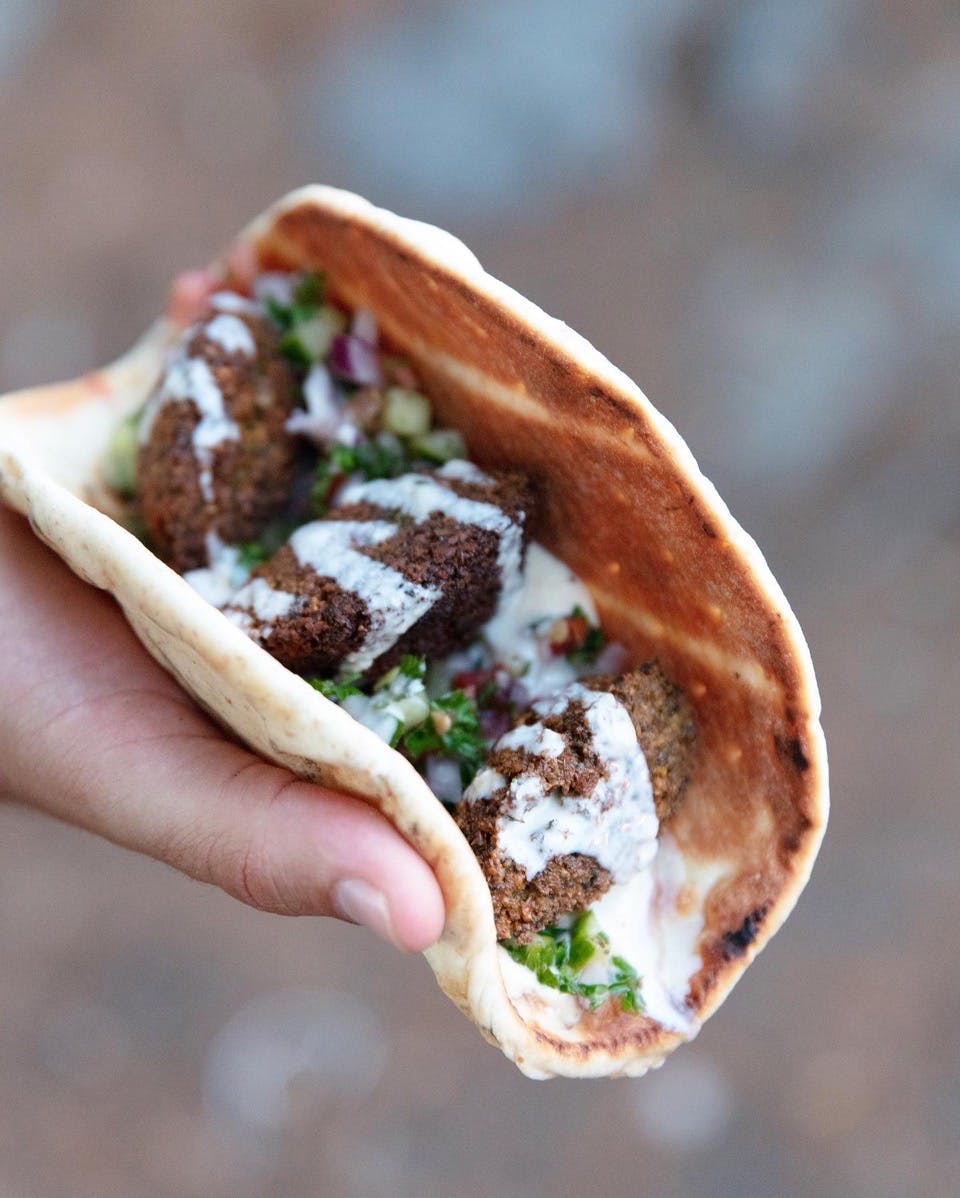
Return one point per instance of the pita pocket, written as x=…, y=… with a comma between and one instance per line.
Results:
x=623, y=504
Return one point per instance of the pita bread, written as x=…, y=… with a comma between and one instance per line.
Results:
x=672, y=573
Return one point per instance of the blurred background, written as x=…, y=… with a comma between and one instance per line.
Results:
x=754, y=208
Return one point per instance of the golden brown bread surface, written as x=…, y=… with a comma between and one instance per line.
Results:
x=623, y=503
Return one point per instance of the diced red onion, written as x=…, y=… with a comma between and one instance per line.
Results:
x=355, y=361
x=443, y=778
x=518, y=695
x=611, y=659
x=364, y=326
x=470, y=681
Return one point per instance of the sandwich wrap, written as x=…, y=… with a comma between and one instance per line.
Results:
x=672, y=574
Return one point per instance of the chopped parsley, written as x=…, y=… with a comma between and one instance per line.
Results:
x=590, y=639
x=382, y=456
x=310, y=291
x=558, y=956
x=250, y=554
x=450, y=730
x=306, y=300
x=401, y=711
x=337, y=691
x=307, y=326
x=410, y=666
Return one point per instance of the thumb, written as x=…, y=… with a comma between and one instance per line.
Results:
x=188, y=797
x=94, y=732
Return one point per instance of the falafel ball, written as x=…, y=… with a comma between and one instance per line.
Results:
x=548, y=770
x=427, y=578
x=665, y=727
x=215, y=457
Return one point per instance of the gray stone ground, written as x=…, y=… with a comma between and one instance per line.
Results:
x=755, y=209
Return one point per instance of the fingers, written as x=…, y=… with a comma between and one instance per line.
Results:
x=93, y=731
x=190, y=295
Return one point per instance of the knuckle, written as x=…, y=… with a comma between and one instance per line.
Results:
x=250, y=866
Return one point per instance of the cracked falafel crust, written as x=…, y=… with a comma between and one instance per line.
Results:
x=457, y=561
x=663, y=721
x=217, y=457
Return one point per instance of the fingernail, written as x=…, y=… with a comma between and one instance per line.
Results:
x=359, y=902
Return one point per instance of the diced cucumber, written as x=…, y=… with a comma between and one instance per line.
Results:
x=312, y=338
x=439, y=445
x=406, y=413
x=411, y=710
x=120, y=462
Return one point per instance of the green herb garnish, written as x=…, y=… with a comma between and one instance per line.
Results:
x=307, y=298
x=310, y=291
x=337, y=691
x=120, y=462
x=585, y=653
x=410, y=667
x=306, y=325
x=558, y=956
x=383, y=456
x=450, y=730
x=250, y=554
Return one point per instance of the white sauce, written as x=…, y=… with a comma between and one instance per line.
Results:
x=419, y=496
x=347, y=434
x=653, y=922
x=534, y=739
x=516, y=634
x=232, y=335
x=229, y=301
x=485, y=782
x=211, y=584
x=393, y=602
x=465, y=471
x=219, y=580
x=402, y=703
x=258, y=598
x=319, y=393
x=190, y=379
x=377, y=719
x=616, y=825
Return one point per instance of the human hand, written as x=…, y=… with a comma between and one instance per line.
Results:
x=94, y=732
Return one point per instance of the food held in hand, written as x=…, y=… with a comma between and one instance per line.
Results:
x=404, y=534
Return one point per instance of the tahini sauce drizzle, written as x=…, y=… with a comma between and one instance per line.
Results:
x=419, y=496
x=218, y=581
x=191, y=379
x=547, y=590
x=616, y=824
x=331, y=549
x=231, y=334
